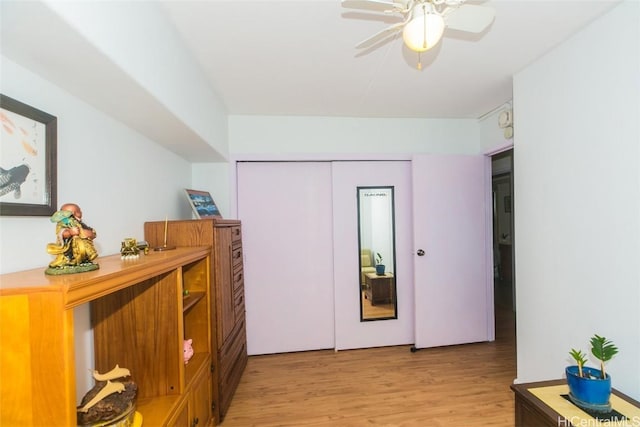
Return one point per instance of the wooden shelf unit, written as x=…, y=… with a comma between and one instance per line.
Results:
x=139, y=321
x=229, y=339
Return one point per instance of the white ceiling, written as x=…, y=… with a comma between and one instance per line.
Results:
x=297, y=57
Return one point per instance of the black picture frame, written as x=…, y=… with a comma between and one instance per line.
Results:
x=28, y=158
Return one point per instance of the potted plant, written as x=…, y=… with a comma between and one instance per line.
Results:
x=379, y=265
x=590, y=388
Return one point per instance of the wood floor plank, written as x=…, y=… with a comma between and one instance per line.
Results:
x=465, y=385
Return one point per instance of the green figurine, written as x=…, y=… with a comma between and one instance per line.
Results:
x=74, y=248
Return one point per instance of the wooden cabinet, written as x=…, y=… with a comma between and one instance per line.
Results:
x=139, y=319
x=200, y=402
x=196, y=410
x=181, y=416
x=379, y=289
x=541, y=404
x=229, y=340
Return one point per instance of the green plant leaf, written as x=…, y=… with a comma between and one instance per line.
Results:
x=578, y=356
x=602, y=348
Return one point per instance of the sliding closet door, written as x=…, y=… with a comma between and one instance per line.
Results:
x=286, y=213
x=351, y=332
x=453, y=284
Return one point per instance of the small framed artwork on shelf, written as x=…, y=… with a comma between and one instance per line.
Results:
x=202, y=204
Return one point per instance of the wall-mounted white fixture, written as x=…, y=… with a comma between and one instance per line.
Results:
x=505, y=121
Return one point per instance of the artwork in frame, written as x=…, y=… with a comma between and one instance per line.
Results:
x=28, y=160
x=202, y=204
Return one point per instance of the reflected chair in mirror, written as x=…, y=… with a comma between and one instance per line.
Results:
x=366, y=265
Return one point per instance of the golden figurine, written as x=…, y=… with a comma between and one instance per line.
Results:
x=74, y=248
x=129, y=249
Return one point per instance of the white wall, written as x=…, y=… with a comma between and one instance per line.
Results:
x=278, y=134
x=155, y=58
x=577, y=200
x=216, y=179
x=119, y=178
x=333, y=138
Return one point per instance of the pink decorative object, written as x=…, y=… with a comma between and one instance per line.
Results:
x=187, y=350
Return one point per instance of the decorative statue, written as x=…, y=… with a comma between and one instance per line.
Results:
x=73, y=249
x=111, y=398
x=129, y=249
x=188, y=350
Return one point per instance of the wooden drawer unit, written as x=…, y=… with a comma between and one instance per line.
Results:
x=238, y=280
x=238, y=292
x=234, y=357
x=230, y=350
x=239, y=306
x=237, y=255
x=236, y=234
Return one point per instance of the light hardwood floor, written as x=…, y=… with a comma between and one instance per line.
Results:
x=465, y=385
x=370, y=311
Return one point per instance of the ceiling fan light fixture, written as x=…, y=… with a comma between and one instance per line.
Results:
x=424, y=31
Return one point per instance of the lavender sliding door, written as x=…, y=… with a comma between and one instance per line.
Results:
x=286, y=213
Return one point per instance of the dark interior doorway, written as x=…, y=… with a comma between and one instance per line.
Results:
x=503, y=244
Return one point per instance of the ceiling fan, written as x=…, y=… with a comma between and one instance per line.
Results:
x=424, y=21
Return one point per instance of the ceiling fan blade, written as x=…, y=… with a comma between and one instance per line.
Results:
x=380, y=35
x=470, y=18
x=374, y=5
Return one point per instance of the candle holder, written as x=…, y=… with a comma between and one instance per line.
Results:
x=164, y=247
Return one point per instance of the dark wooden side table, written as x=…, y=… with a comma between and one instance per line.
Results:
x=539, y=404
x=379, y=289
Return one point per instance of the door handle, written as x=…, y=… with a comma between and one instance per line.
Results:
x=420, y=252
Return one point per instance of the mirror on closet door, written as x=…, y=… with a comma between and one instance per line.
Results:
x=376, y=245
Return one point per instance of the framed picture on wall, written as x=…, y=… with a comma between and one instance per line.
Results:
x=28, y=170
x=202, y=204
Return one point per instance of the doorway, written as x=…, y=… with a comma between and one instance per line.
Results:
x=503, y=244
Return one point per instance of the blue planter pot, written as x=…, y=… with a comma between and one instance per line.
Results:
x=591, y=393
x=380, y=269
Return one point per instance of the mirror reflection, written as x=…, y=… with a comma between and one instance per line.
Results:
x=376, y=243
